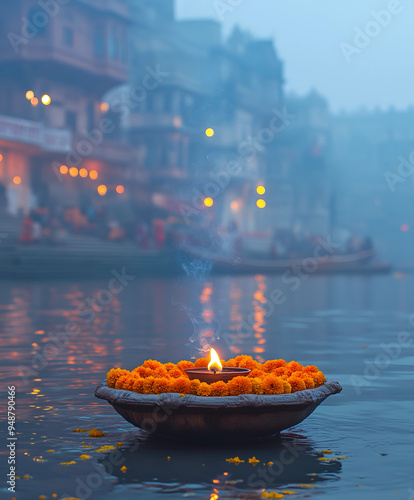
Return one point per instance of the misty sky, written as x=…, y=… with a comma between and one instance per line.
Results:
x=308, y=35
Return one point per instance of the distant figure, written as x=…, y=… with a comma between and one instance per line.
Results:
x=26, y=236
x=159, y=234
x=143, y=236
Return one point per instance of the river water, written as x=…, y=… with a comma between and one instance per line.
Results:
x=350, y=326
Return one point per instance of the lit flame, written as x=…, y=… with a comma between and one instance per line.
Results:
x=215, y=364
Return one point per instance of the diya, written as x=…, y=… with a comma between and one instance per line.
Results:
x=233, y=402
x=215, y=371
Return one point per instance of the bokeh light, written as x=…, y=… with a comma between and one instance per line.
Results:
x=102, y=190
x=17, y=180
x=29, y=95
x=209, y=202
x=209, y=132
x=93, y=174
x=34, y=101
x=73, y=171
x=104, y=107
x=46, y=100
x=261, y=190
x=261, y=203
x=120, y=189
x=83, y=172
x=63, y=169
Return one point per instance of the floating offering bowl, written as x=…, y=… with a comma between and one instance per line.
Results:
x=247, y=416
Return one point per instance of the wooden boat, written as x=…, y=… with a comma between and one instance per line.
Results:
x=361, y=262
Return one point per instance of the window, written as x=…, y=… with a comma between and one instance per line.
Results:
x=71, y=120
x=99, y=43
x=113, y=44
x=68, y=36
x=124, y=48
x=39, y=19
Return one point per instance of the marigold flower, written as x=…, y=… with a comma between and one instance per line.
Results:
x=219, y=389
x=153, y=364
x=297, y=384
x=287, y=388
x=256, y=373
x=279, y=372
x=161, y=385
x=273, y=385
x=175, y=373
x=159, y=372
x=310, y=384
x=113, y=375
x=271, y=365
x=203, y=390
x=119, y=384
x=194, y=385
x=231, y=363
x=182, y=385
x=128, y=383
x=311, y=368
x=185, y=365
x=295, y=366
x=239, y=385
x=318, y=378
x=169, y=366
x=201, y=363
x=248, y=362
x=148, y=385
x=143, y=371
x=138, y=385
x=257, y=386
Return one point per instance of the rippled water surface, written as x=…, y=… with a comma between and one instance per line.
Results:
x=348, y=325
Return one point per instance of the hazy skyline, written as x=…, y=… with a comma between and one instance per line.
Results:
x=377, y=70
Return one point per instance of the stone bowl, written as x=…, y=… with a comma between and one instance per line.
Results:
x=188, y=417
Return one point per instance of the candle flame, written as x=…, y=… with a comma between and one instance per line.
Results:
x=215, y=364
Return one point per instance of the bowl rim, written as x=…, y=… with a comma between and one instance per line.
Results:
x=133, y=399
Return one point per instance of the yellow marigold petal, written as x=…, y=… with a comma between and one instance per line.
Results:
x=94, y=433
x=327, y=452
x=123, y=469
x=85, y=457
x=323, y=459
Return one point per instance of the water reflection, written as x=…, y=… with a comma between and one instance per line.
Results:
x=287, y=462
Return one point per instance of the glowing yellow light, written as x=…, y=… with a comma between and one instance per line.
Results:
x=209, y=202
x=104, y=107
x=29, y=95
x=215, y=364
x=1, y=157
x=120, y=189
x=93, y=174
x=46, y=100
x=17, y=180
x=261, y=190
x=83, y=172
x=102, y=190
x=261, y=203
x=63, y=169
x=73, y=172
x=34, y=101
x=209, y=132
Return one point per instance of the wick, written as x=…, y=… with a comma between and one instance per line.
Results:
x=214, y=371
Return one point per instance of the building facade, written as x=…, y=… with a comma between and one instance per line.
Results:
x=56, y=138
